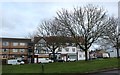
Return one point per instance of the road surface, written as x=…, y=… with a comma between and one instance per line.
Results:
x=112, y=72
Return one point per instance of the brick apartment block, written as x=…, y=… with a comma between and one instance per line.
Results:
x=16, y=48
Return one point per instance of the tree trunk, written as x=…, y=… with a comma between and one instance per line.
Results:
x=117, y=48
x=117, y=52
x=86, y=55
x=54, y=58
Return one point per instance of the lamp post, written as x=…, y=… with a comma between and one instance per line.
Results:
x=118, y=26
x=117, y=40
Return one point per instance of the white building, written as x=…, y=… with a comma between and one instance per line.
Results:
x=67, y=52
x=72, y=53
x=81, y=55
x=113, y=53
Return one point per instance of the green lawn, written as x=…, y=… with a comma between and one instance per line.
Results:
x=66, y=67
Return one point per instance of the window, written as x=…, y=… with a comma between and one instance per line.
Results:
x=4, y=50
x=73, y=49
x=41, y=44
x=0, y=50
x=22, y=44
x=13, y=56
x=60, y=49
x=80, y=55
x=83, y=55
x=4, y=56
x=5, y=43
x=67, y=49
x=22, y=50
x=15, y=44
x=15, y=50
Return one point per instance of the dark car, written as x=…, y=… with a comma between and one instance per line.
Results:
x=60, y=60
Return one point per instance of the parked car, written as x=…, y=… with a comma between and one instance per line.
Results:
x=44, y=60
x=50, y=61
x=69, y=59
x=15, y=62
x=60, y=60
x=21, y=62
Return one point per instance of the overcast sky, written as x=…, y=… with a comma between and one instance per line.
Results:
x=20, y=18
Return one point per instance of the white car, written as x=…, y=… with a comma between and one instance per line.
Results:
x=15, y=62
x=50, y=61
x=44, y=60
x=71, y=59
x=22, y=62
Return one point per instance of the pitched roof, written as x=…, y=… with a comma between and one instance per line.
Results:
x=60, y=39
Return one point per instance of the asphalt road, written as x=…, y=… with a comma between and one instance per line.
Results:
x=112, y=72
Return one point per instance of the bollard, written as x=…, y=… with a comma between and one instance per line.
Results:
x=42, y=68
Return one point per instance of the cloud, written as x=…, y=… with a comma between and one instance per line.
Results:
x=59, y=0
x=20, y=18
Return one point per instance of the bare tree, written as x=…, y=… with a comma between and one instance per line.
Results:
x=50, y=31
x=112, y=35
x=88, y=22
x=32, y=35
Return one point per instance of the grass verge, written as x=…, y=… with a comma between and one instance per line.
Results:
x=66, y=67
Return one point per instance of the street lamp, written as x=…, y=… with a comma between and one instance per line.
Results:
x=117, y=40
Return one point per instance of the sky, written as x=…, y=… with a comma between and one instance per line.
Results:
x=20, y=18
